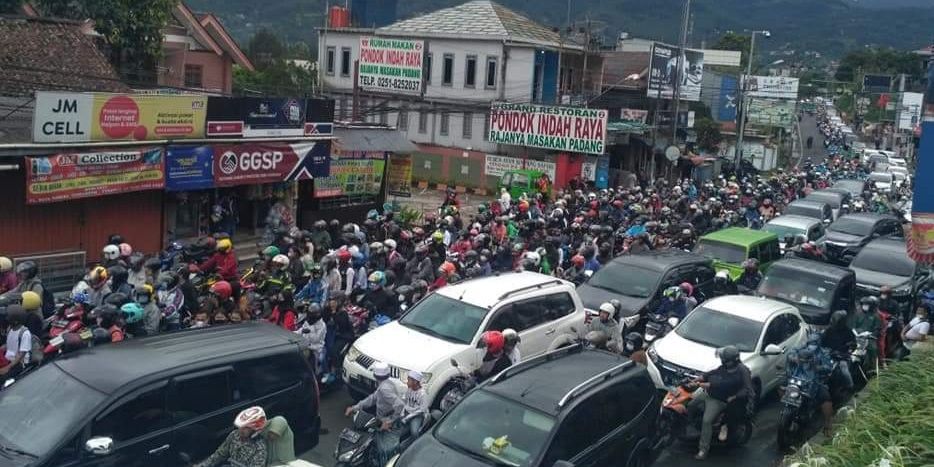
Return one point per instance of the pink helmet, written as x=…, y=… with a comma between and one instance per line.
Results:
x=687, y=288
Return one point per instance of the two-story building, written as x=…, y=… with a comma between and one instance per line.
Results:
x=477, y=53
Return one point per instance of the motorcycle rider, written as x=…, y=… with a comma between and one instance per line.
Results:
x=415, y=403
x=838, y=339
x=917, y=329
x=387, y=405
x=99, y=289
x=245, y=446
x=108, y=318
x=172, y=300
x=494, y=358
x=119, y=277
x=607, y=324
x=717, y=389
x=152, y=315
x=749, y=280
x=673, y=304
x=8, y=279
x=223, y=261
x=512, y=346
x=379, y=299
x=18, y=343
x=820, y=365
x=633, y=348
x=866, y=318
x=313, y=333
x=32, y=303
x=722, y=285
x=888, y=304
x=316, y=290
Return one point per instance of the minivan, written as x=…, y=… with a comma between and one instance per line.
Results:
x=835, y=198
x=729, y=248
x=816, y=289
x=810, y=208
x=156, y=401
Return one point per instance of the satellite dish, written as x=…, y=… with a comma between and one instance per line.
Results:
x=672, y=153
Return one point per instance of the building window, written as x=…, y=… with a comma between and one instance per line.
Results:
x=422, y=121
x=194, y=76
x=468, y=125
x=428, y=70
x=470, y=72
x=445, y=123
x=447, y=70
x=331, y=55
x=344, y=107
x=486, y=127
x=491, y=72
x=345, y=61
x=402, y=122
x=383, y=117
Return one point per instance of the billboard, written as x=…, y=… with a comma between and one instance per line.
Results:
x=771, y=87
x=399, y=175
x=68, y=176
x=663, y=69
x=391, y=65
x=771, y=112
x=726, y=108
x=909, y=110
x=71, y=117
x=540, y=126
x=921, y=240
x=255, y=117
x=248, y=164
x=189, y=168
x=355, y=175
x=496, y=166
x=633, y=115
x=877, y=83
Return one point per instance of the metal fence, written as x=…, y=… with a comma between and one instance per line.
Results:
x=59, y=271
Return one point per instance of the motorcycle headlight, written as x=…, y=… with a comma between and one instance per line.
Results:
x=652, y=353
x=352, y=355
x=673, y=321
x=794, y=392
x=345, y=457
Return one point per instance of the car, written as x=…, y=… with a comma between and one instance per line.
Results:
x=853, y=186
x=897, y=162
x=729, y=248
x=810, y=208
x=816, y=289
x=148, y=401
x=835, y=198
x=519, y=182
x=792, y=226
x=571, y=407
x=638, y=280
x=850, y=233
x=447, y=324
x=882, y=181
x=762, y=329
x=884, y=262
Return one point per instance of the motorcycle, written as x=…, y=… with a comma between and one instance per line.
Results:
x=799, y=404
x=69, y=318
x=460, y=385
x=67, y=342
x=860, y=368
x=677, y=423
x=356, y=444
x=658, y=325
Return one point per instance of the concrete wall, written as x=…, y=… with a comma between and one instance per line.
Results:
x=216, y=69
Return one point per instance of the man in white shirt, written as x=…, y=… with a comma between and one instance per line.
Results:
x=415, y=403
x=917, y=329
x=18, y=342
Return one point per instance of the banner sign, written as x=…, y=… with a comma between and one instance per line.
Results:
x=663, y=69
x=877, y=83
x=399, y=175
x=633, y=115
x=248, y=164
x=772, y=112
x=496, y=166
x=726, y=110
x=62, y=117
x=540, y=126
x=189, y=168
x=391, y=65
x=255, y=117
x=771, y=87
x=359, y=174
x=921, y=240
x=67, y=176
x=909, y=110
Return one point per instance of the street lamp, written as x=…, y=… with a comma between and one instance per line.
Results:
x=738, y=150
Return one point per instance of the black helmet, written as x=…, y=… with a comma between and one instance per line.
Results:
x=116, y=299
x=115, y=239
x=320, y=224
x=729, y=356
x=15, y=314
x=27, y=268
x=101, y=336
x=108, y=314
x=405, y=292
x=837, y=317
x=334, y=223
x=634, y=342
x=314, y=309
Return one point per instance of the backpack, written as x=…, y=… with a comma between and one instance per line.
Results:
x=48, y=299
x=36, y=352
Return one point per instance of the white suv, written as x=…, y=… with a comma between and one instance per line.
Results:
x=447, y=324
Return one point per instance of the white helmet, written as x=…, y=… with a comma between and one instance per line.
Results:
x=534, y=257
x=511, y=335
x=390, y=244
x=111, y=252
x=281, y=260
x=607, y=307
x=380, y=370
x=376, y=247
x=5, y=264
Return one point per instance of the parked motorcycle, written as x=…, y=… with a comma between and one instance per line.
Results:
x=677, y=423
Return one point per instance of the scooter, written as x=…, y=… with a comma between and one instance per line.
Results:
x=356, y=444
x=799, y=404
x=861, y=369
x=658, y=326
x=676, y=423
x=69, y=319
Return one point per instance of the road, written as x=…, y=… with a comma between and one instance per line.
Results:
x=816, y=154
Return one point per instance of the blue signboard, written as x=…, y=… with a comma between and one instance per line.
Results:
x=726, y=110
x=602, y=176
x=189, y=168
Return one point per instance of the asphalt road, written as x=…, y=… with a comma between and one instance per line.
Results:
x=816, y=153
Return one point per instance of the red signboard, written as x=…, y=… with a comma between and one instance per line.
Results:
x=225, y=128
x=245, y=164
x=68, y=176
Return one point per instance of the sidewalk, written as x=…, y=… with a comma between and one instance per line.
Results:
x=428, y=201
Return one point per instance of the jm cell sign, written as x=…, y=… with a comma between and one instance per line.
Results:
x=570, y=129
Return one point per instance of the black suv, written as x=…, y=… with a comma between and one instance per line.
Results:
x=568, y=407
x=850, y=233
x=638, y=281
x=144, y=402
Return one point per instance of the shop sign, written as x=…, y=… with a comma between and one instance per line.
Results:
x=399, y=175
x=772, y=112
x=772, y=87
x=496, y=166
x=391, y=65
x=248, y=164
x=189, y=168
x=356, y=174
x=548, y=127
x=255, y=117
x=67, y=176
x=62, y=117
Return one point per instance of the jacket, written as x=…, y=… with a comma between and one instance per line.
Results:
x=313, y=335
x=250, y=452
x=315, y=291
x=386, y=401
x=225, y=263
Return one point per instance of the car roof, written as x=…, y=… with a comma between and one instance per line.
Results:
x=850, y=181
x=746, y=306
x=108, y=368
x=486, y=292
x=534, y=384
x=812, y=267
x=808, y=203
x=661, y=260
x=867, y=217
x=826, y=191
x=893, y=245
x=740, y=235
x=792, y=220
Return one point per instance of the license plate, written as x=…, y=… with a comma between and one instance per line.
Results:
x=350, y=436
x=57, y=341
x=85, y=334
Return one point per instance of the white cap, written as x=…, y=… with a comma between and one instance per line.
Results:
x=607, y=307
x=380, y=369
x=415, y=375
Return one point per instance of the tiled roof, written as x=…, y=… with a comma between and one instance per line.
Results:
x=42, y=54
x=478, y=18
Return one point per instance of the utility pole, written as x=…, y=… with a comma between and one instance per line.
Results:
x=685, y=20
x=744, y=80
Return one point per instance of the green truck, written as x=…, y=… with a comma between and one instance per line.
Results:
x=517, y=182
x=728, y=248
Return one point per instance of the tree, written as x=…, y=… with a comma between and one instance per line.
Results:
x=265, y=48
x=10, y=6
x=736, y=42
x=708, y=134
x=880, y=61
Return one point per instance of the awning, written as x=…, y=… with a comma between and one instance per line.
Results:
x=372, y=140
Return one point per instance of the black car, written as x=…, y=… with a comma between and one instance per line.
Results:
x=850, y=233
x=638, y=280
x=568, y=407
x=816, y=289
x=813, y=209
x=885, y=262
x=837, y=199
x=148, y=401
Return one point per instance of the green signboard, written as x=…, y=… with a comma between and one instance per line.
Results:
x=772, y=112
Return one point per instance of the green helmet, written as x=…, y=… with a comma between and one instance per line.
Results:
x=132, y=312
x=482, y=208
x=270, y=251
x=437, y=236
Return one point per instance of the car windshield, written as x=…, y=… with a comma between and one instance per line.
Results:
x=851, y=227
x=626, y=279
x=797, y=287
x=445, y=318
x=479, y=419
x=40, y=409
x=717, y=329
x=728, y=253
x=883, y=260
x=783, y=230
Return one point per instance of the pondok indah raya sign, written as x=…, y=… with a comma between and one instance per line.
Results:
x=391, y=65
x=548, y=127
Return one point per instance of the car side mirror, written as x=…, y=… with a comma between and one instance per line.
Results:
x=562, y=464
x=99, y=446
x=772, y=349
x=454, y=363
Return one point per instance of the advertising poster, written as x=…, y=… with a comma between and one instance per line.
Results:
x=399, y=175
x=496, y=166
x=256, y=117
x=558, y=128
x=771, y=87
x=391, y=65
x=189, y=168
x=249, y=164
x=772, y=112
x=602, y=175
x=355, y=175
x=633, y=115
x=726, y=110
x=62, y=117
x=909, y=110
x=921, y=240
x=70, y=176
x=663, y=71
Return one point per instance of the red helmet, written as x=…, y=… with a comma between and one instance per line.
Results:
x=222, y=289
x=523, y=206
x=618, y=203
x=687, y=288
x=343, y=254
x=494, y=341
x=578, y=260
x=448, y=268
